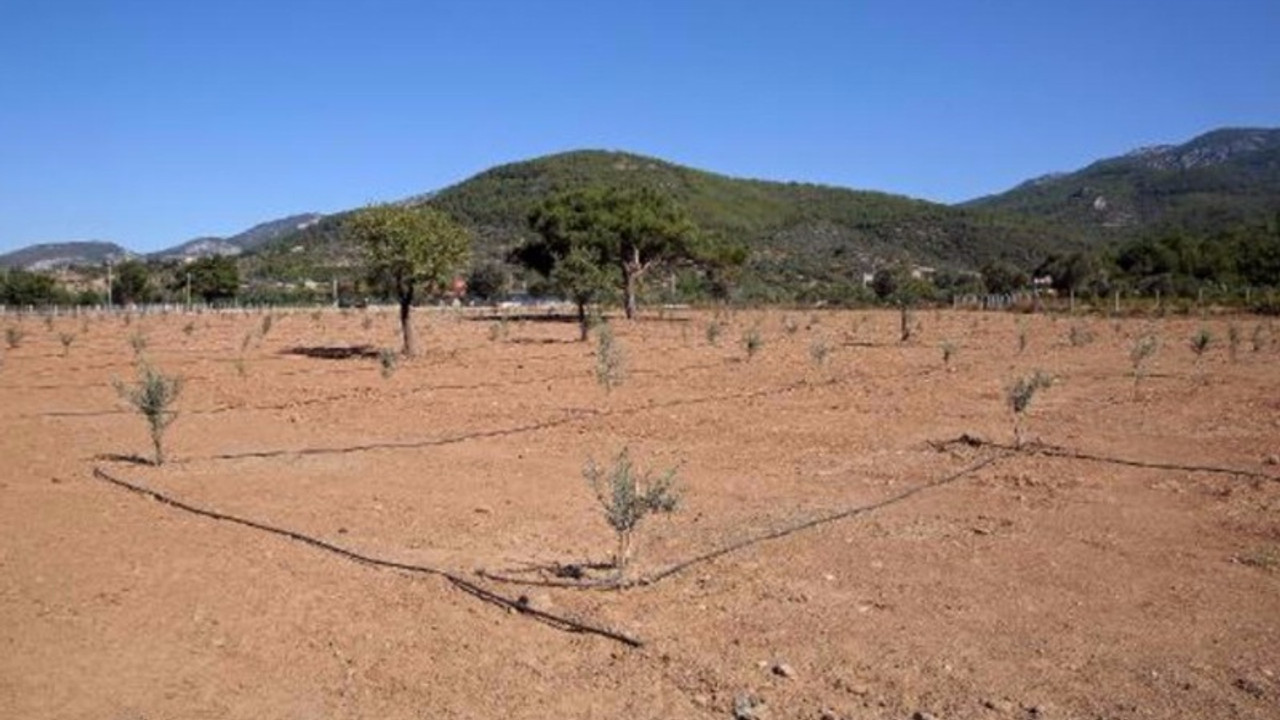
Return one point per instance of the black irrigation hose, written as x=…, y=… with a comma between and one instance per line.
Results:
x=520, y=429
x=1070, y=454
x=521, y=606
x=652, y=578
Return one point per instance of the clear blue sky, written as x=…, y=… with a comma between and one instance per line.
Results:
x=151, y=122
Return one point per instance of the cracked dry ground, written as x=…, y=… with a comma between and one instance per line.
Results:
x=1035, y=586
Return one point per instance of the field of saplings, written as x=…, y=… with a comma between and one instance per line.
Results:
x=695, y=514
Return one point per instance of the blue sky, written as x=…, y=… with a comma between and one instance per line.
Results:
x=151, y=122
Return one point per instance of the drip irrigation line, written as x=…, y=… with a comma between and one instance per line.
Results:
x=679, y=567
x=1072, y=454
x=558, y=622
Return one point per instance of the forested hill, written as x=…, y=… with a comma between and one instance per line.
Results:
x=1220, y=179
x=797, y=233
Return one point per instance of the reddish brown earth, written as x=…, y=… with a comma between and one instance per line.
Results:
x=1034, y=586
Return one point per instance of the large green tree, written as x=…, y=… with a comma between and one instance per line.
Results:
x=631, y=229
x=211, y=279
x=132, y=283
x=407, y=249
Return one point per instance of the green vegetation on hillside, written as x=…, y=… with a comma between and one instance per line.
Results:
x=805, y=242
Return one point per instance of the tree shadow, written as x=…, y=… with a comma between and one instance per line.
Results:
x=333, y=352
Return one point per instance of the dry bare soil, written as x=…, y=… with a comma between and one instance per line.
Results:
x=953, y=580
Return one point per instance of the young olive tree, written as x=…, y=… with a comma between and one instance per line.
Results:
x=153, y=397
x=627, y=496
x=407, y=249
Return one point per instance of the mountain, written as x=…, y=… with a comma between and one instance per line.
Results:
x=248, y=240
x=799, y=234
x=1225, y=177
x=49, y=256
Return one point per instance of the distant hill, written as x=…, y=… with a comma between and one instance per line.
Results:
x=248, y=240
x=798, y=233
x=1225, y=177
x=49, y=256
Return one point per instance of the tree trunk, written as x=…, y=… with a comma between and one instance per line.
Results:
x=582, y=322
x=629, y=306
x=406, y=326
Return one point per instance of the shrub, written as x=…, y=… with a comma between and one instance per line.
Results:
x=1019, y=394
x=387, y=361
x=66, y=339
x=138, y=341
x=1258, y=340
x=499, y=330
x=267, y=321
x=789, y=325
x=1144, y=347
x=819, y=350
x=948, y=351
x=1233, y=341
x=189, y=329
x=1201, y=341
x=1080, y=335
x=1022, y=335
x=713, y=332
x=752, y=342
x=627, y=496
x=153, y=397
x=610, y=359
x=13, y=336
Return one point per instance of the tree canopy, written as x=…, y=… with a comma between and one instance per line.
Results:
x=630, y=229
x=407, y=249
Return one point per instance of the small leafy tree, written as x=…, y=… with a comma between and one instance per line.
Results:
x=153, y=397
x=1018, y=395
x=13, y=336
x=66, y=339
x=627, y=497
x=408, y=248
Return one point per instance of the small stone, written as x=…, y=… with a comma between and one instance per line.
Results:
x=749, y=707
x=1003, y=706
x=828, y=714
x=1271, y=460
x=483, y=510
x=923, y=715
x=1249, y=687
x=784, y=670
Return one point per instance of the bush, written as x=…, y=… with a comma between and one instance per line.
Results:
x=752, y=342
x=1143, y=348
x=13, y=336
x=610, y=359
x=627, y=496
x=387, y=361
